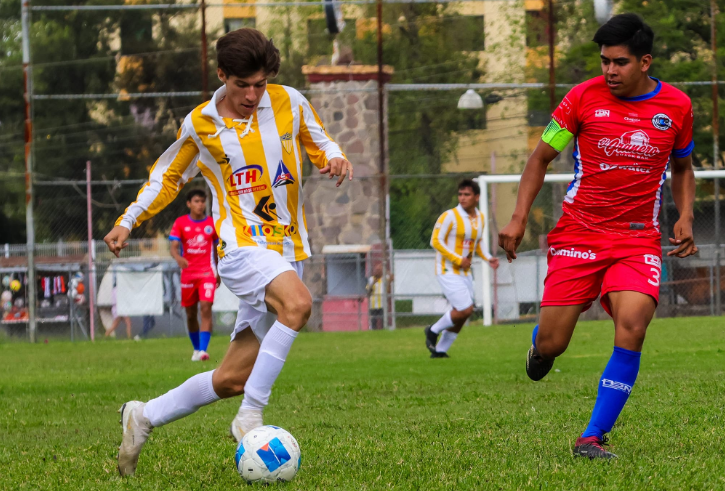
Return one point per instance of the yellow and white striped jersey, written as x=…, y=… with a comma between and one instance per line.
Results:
x=455, y=236
x=252, y=166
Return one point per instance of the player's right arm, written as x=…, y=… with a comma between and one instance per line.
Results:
x=440, y=234
x=168, y=175
x=557, y=135
x=175, y=245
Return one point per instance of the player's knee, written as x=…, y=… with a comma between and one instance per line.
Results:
x=467, y=313
x=298, y=309
x=227, y=384
x=205, y=308
x=549, y=346
x=635, y=331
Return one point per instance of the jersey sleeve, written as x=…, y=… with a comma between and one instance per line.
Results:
x=684, y=144
x=175, y=167
x=176, y=228
x=564, y=122
x=438, y=239
x=214, y=236
x=319, y=145
x=481, y=253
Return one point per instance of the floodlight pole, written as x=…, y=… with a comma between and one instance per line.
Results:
x=204, y=54
x=382, y=213
x=552, y=78
x=715, y=151
x=29, y=223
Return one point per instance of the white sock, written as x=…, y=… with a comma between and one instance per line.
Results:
x=446, y=340
x=443, y=323
x=181, y=401
x=270, y=360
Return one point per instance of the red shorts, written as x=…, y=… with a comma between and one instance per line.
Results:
x=583, y=264
x=197, y=289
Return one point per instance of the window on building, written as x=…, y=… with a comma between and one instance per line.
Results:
x=465, y=32
x=234, y=24
x=536, y=28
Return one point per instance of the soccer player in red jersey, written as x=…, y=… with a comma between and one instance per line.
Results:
x=627, y=128
x=193, y=239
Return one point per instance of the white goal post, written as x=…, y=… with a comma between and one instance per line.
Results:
x=486, y=179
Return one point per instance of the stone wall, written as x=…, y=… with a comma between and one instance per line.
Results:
x=349, y=214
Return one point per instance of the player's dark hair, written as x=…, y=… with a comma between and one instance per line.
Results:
x=195, y=192
x=245, y=52
x=626, y=30
x=470, y=183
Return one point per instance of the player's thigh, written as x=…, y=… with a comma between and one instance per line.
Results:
x=458, y=290
x=632, y=312
x=189, y=294
x=556, y=326
x=229, y=379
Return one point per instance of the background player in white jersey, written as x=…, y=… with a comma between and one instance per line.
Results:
x=457, y=235
x=246, y=143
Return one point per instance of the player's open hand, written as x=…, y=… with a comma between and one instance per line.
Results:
x=338, y=167
x=218, y=280
x=182, y=262
x=116, y=239
x=684, y=240
x=510, y=237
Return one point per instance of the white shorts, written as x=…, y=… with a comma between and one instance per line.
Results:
x=246, y=272
x=458, y=290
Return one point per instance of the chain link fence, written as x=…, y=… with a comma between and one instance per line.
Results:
x=111, y=84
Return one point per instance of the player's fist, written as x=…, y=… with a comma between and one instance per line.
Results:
x=684, y=239
x=466, y=263
x=116, y=239
x=182, y=262
x=338, y=167
x=510, y=237
x=493, y=262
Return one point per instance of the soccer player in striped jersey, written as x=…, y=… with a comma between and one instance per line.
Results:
x=457, y=235
x=628, y=128
x=247, y=143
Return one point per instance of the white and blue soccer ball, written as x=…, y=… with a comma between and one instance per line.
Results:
x=268, y=454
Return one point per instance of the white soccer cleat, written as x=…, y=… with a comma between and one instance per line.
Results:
x=244, y=422
x=196, y=356
x=203, y=356
x=136, y=430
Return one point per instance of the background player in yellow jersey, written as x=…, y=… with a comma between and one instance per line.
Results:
x=246, y=143
x=457, y=235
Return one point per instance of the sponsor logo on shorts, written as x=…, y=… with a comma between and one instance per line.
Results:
x=187, y=285
x=631, y=168
x=611, y=384
x=571, y=252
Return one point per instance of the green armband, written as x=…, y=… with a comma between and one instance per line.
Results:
x=556, y=136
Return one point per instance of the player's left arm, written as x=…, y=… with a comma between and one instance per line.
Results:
x=324, y=153
x=683, y=186
x=683, y=192
x=486, y=256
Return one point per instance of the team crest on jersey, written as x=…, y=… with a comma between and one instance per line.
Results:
x=283, y=176
x=208, y=230
x=286, y=140
x=661, y=121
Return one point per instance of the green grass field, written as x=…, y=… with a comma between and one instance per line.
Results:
x=372, y=411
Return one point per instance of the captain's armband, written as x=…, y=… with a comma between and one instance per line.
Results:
x=556, y=136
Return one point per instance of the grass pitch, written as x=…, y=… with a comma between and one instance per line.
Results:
x=372, y=411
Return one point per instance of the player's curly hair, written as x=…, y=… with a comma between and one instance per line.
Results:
x=626, y=30
x=245, y=52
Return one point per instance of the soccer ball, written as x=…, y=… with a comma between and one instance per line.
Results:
x=268, y=454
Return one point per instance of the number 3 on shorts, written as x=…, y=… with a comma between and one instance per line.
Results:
x=655, y=277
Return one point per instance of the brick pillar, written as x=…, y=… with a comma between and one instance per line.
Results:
x=348, y=106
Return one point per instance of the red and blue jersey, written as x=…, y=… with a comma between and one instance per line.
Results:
x=622, y=148
x=198, y=238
